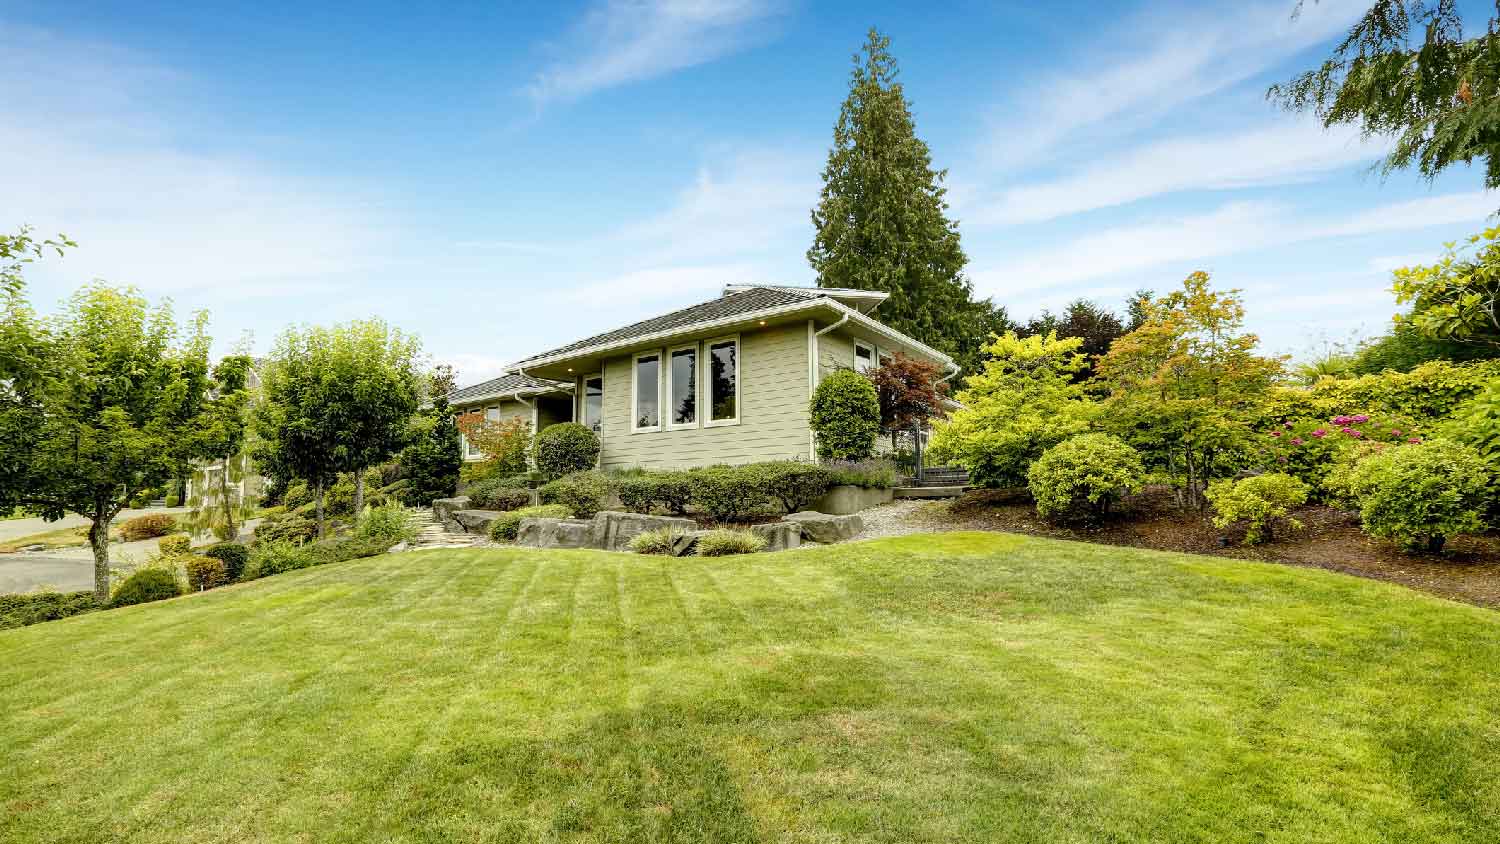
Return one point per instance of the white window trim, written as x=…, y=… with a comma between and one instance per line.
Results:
x=708, y=382
x=669, y=404
x=874, y=354
x=635, y=416
x=580, y=411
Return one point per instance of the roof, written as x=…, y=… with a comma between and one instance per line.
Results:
x=731, y=304
x=508, y=384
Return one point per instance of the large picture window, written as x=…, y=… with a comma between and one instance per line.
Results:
x=723, y=381
x=682, y=387
x=593, y=403
x=647, y=389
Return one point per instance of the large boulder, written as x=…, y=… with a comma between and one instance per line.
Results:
x=779, y=536
x=444, y=508
x=476, y=521
x=556, y=533
x=826, y=528
x=613, y=531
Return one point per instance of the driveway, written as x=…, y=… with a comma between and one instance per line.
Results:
x=17, y=528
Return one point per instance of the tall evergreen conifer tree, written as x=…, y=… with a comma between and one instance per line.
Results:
x=881, y=221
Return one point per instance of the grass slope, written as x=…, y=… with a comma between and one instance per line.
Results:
x=962, y=687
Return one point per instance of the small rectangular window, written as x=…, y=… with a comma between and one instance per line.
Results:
x=682, y=387
x=723, y=381
x=648, y=392
x=593, y=403
x=864, y=356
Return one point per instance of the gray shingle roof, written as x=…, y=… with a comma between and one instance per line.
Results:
x=504, y=385
x=733, y=304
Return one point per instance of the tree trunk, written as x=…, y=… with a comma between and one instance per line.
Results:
x=99, y=542
x=1435, y=543
x=359, y=494
x=231, y=533
x=318, y=497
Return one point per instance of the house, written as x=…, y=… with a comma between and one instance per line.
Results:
x=724, y=381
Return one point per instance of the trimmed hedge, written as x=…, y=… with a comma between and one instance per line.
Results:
x=792, y=484
x=728, y=493
x=583, y=493
x=498, y=493
x=233, y=555
x=647, y=492
x=36, y=607
x=565, y=448
x=144, y=586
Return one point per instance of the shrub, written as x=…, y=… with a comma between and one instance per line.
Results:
x=727, y=493
x=389, y=523
x=36, y=607
x=581, y=492
x=144, y=586
x=507, y=524
x=642, y=493
x=845, y=415
x=297, y=495
x=1309, y=448
x=874, y=473
x=148, y=526
x=498, y=493
x=275, y=557
x=175, y=544
x=205, y=573
x=565, y=448
x=1082, y=476
x=659, y=541
x=291, y=528
x=341, y=548
x=724, y=542
x=1257, y=501
x=233, y=555
x=338, y=497
x=792, y=484
x=1419, y=495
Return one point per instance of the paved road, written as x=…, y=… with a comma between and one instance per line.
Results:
x=17, y=528
x=25, y=572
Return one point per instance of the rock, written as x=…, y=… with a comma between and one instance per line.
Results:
x=822, y=527
x=476, y=521
x=398, y=548
x=555, y=533
x=779, y=536
x=613, y=531
x=33, y=547
x=686, y=543
x=444, y=508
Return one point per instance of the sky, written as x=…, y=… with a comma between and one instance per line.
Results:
x=501, y=178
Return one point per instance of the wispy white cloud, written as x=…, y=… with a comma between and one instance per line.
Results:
x=1267, y=155
x=623, y=41
x=1234, y=227
x=1177, y=57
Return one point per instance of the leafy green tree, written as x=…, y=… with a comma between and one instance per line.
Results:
x=1406, y=70
x=113, y=408
x=881, y=221
x=432, y=460
x=1457, y=298
x=220, y=440
x=295, y=437
x=1025, y=401
x=1186, y=386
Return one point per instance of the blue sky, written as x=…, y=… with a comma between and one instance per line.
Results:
x=503, y=178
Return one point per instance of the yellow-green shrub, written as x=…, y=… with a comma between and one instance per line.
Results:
x=1258, y=501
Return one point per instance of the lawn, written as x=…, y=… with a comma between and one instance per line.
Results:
x=961, y=687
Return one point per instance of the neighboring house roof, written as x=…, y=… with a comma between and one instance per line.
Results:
x=739, y=302
x=509, y=384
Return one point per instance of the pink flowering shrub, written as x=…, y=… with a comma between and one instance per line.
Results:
x=1308, y=448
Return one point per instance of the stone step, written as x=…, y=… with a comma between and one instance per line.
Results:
x=930, y=491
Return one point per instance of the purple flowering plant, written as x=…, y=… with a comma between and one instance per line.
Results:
x=1307, y=447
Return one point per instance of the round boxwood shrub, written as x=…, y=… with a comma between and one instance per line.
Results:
x=233, y=555
x=1079, y=478
x=845, y=416
x=175, y=545
x=297, y=495
x=205, y=573
x=290, y=528
x=582, y=493
x=505, y=526
x=724, y=542
x=565, y=448
x=144, y=586
x=1258, y=501
x=1421, y=494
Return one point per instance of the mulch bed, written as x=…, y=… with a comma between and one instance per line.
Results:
x=1468, y=570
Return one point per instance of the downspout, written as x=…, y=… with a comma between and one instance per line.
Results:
x=813, y=363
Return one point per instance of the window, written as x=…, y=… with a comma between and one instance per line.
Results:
x=593, y=403
x=492, y=414
x=647, y=388
x=864, y=356
x=682, y=387
x=724, y=381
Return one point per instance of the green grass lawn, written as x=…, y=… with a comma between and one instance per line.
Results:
x=959, y=687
